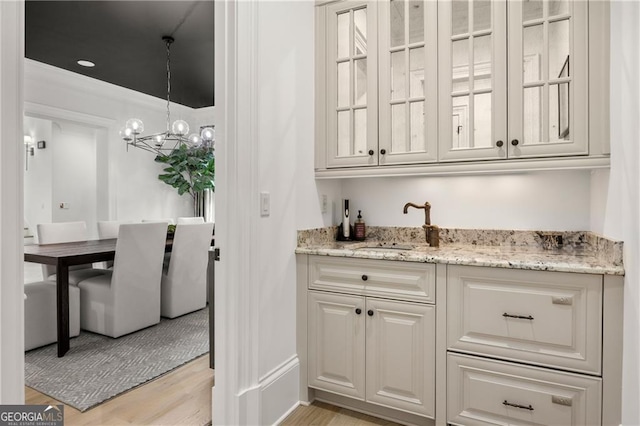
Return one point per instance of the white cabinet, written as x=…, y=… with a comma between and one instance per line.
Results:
x=527, y=347
x=483, y=392
x=377, y=98
x=336, y=339
x=401, y=355
x=441, y=83
x=544, y=45
x=545, y=318
x=375, y=350
x=351, y=113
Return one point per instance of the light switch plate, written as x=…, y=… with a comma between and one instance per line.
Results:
x=324, y=204
x=265, y=204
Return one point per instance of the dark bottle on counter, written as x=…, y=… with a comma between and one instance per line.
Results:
x=359, y=228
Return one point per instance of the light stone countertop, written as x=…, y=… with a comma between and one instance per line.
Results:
x=581, y=252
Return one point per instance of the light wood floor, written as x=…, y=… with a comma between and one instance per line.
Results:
x=181, y=397
x=321, y=414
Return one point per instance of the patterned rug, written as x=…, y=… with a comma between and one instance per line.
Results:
x=97, y=368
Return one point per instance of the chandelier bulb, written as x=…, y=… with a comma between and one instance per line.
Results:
x=194, y=139
x=208, y=134
x=159, y=139
x=136, y=125
x=180, y=127
x=126, y=134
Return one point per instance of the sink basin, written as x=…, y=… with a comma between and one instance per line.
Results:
x=390, y=247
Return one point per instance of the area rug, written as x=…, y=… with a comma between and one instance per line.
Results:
x=97, y=368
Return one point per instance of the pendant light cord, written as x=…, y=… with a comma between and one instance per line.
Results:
x=168, y=83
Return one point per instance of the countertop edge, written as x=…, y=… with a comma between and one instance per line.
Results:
x=479, y=260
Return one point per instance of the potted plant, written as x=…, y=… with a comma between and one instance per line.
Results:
x=189, y=170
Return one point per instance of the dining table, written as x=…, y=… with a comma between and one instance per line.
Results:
x=64, y=255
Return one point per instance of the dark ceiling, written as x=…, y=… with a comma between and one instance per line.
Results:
x=124, y=40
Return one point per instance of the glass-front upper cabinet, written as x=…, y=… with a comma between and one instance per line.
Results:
x=543, y=45
x=473, y=79
x=352, y=83
x=548, y=78
x=407, y=41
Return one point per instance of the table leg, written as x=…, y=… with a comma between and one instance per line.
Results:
x=62, y=300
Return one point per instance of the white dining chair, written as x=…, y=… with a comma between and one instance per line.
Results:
x=127, y=298
x=40, y=326
x=65, y=232
x=184, y=220
x=184, y=283
x=108, y=229
x=168, y=221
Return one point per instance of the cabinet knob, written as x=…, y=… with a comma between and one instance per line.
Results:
x=370, y=312
x=383, y=151
x=364, y=278
x=515, y=142
x=499, y=144
x=358, y=311
x=371, y=152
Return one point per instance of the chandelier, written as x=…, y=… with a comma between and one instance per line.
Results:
x=175, y=136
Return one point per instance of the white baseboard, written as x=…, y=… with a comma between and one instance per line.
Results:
x=279, y=392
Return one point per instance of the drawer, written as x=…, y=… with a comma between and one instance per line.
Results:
x=484, y=392
x=382, y=278
x=546, y=318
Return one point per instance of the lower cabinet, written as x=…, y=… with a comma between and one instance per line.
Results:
x=376, y=350
x=488, y=392
x=497, y=346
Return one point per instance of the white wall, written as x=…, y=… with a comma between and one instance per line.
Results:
x=528, y=201
x=616, y=194
x=37, y=179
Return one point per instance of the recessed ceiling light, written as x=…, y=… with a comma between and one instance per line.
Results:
x=84, y=63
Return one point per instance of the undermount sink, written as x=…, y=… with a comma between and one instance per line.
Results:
x=392, y=247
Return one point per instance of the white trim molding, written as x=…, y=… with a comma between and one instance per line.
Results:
x=11, y=199
x=278, y=392
x=236, y=394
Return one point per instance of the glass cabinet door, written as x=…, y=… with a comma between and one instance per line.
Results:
x=352, y=135
x=408, y=81
x=472, y=79
x=548, y=78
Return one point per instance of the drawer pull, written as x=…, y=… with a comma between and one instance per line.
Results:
x=529, y=317
x=364, y=278
x=524, y=407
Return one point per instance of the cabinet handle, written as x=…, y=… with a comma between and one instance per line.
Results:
x=524, y=407
x=364, y=278
x=371, y=152
x=370, y=312
x=515, y=142
x=383, y=151
x=499, y=144
x=358, y=311
x=528, y=317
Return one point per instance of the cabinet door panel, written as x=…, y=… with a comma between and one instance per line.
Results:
x=336, y=344
x=408, y=81
x=547, y=318
x=483, y=392
x=401, y=356
x=352, y=80
x=548, y=78
x=472, y=78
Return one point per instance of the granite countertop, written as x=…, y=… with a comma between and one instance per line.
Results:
x=582, y=252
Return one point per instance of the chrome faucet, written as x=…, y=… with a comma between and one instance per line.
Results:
x=432, y=232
